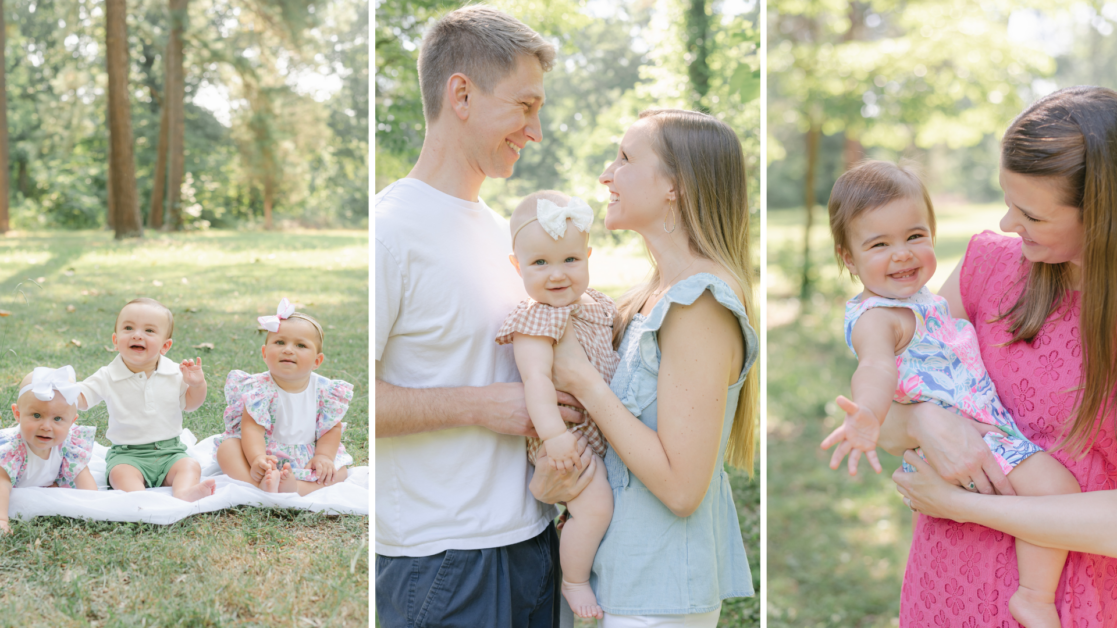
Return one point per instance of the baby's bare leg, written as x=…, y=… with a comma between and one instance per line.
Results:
x=183, y=478
x=1033, y=604
x=591, y=511
x=230, y=457
x=290, y=485
x=125, y=477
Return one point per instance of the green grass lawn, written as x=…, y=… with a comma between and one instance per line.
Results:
x=837, y=545
x=245, y=566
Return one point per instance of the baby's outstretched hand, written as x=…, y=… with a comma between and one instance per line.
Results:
x=192, y=372
x=323, y=468
x=858, y=434
x=261, y=465
x=562, y=451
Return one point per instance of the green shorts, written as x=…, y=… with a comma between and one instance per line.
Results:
x=153, y=460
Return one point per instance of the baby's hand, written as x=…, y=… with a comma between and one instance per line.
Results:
x=562, y=451
x=324, y=468
x=858, y=433
x=192, y=372
x=261, y=465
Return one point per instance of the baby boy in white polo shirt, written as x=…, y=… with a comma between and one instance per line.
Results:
x=145, y=393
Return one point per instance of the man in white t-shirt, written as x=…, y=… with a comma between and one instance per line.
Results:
x=460, y=539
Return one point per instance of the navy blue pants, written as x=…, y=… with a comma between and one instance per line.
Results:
x=516, y=586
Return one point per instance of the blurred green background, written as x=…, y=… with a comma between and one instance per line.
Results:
x=615, y=58
x=933, y=82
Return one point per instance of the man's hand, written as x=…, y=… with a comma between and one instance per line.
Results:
x=509, y=415
x=858, y=434
x=550, y=486
x=192, y=372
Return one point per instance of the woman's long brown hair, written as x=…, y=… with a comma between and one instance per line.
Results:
x=703, y=156
x=1070, y=138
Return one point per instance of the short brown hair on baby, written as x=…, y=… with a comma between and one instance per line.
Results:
x=868, y=185
x=153, y=303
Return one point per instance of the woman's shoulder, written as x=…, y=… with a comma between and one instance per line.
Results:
x=993, y=262
x=723, y=290
x=991, y=247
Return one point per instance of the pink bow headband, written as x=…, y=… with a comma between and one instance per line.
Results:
x=283, y=312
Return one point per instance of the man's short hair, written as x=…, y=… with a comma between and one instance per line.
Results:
x=153, y=303
x=479, y=42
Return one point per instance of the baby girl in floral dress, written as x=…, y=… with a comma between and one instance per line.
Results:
x=550, y=243
x=909, y=349
x=48, y=449
x=283, y=426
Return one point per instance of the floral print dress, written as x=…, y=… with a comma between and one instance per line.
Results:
x=258, y=395
x=942, y=364
x=76, y=452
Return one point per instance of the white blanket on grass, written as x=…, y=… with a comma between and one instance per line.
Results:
x=156, y=505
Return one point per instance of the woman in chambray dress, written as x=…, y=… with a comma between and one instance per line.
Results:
x=684, y=398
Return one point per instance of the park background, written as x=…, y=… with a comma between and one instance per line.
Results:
x=236, y=173
x=615, y=59
x=936, y=82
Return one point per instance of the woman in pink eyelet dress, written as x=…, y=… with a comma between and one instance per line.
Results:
x=1059, y=174
x=963, y=574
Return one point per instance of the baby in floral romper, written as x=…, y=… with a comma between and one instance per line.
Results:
x=909, y=350
x=550, y=244
x=283, y=426
x=48, y=449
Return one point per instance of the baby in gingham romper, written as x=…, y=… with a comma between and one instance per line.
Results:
x=550, y=243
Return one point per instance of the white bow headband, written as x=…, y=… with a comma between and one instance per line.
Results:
x=45, y=380
x=553, y=218
x=283, y=312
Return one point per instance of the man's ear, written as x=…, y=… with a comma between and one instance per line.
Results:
x=516, y=263
x=458, y=90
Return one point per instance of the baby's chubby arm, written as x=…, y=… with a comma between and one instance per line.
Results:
x=5, y=493
x=875, y=337
x=252, y=444
x=196, y=383
x=325, y=452
x=535, y=356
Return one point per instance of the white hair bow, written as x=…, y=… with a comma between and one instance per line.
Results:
x=553, y=218
x=45, y=380
x=283, y=312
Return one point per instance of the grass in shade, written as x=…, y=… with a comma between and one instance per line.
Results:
x=59, y=296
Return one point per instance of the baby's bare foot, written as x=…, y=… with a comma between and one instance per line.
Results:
x=581, y=599
x=1034, y=609
x=287, y=481
x=270, y=482
x=202, y=489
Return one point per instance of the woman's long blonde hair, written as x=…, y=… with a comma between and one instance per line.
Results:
x=703, y=157
x=1070, y=138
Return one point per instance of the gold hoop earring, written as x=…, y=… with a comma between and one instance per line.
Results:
x=674, y=221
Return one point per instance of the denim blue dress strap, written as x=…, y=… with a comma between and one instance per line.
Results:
x=650, y=561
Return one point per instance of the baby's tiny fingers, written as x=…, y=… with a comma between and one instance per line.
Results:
x=871, y=456
x=839, y=453
x=854, y=456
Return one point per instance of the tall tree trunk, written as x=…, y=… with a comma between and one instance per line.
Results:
x=269, y=193
x=814, y=136
x=176, y=93
x=698, y=45
x=852, y=151
x=110, y=198
x=155, y=215
x=5, y=193
x=127, y=222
